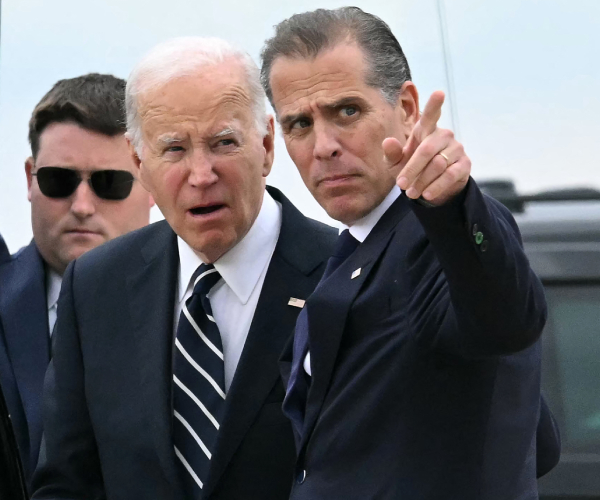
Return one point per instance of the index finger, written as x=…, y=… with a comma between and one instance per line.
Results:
x=431, y=114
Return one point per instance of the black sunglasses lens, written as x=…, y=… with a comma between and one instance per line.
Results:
x=56, y=182
x=112, y=184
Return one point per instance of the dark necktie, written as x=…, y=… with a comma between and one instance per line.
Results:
x=198, y=384
x=294, y=403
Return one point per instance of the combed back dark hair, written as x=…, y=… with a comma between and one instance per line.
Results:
x=307, y=35
x=95, y=102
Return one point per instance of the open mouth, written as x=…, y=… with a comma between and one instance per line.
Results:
x=205, y=210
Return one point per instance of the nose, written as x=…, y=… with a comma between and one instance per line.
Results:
x=202, y=173
x=83, y=202
x=326, y=144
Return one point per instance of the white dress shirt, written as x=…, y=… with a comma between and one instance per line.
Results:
x=360, y=230
x=243, y=268
x=53, y=283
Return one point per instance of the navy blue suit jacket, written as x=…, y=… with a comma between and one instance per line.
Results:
x=108, y=408
x=11, y=482
x=425, y=362
x=24, y=348
x=4, y=253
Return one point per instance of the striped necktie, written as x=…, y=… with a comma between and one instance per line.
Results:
x=198, y=384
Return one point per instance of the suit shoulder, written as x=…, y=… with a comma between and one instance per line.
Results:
x=327, y=232
x=120, y=251
x=23, y=264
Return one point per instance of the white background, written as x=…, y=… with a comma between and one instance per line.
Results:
x=526, y=74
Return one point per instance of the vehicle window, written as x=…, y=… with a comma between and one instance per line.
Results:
x=571, y=364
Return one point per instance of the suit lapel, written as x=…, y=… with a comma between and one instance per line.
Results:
x=151, y=293
x=331, y=302
x=25, y=320
x=294, y=270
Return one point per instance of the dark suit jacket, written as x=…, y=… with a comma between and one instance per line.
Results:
x=4, y=253
x=425, y=366
x=108, y=405
x=24, y=348
x=12, y=481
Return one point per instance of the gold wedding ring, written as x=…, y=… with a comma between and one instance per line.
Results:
x=445, y=158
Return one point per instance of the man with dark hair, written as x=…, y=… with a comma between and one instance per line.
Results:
x=83, y=193
x=415, y=368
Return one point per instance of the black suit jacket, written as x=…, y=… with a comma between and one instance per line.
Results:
x=12, y=483
x=108, y=405
x=24, y=348
x=4, y=253
x=425, y=362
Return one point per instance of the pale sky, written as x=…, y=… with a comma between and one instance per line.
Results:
x=526, y=76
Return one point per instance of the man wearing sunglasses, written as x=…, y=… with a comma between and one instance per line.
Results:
x=83, y=193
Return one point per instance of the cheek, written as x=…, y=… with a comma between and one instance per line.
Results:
x=46, y=214
x=48, y=209
x=301, y=155
x=163, y=185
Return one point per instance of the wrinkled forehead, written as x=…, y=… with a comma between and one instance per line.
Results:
x=333, y=74
x=214, y=93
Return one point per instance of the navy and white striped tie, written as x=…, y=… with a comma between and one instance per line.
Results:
x=198, y=383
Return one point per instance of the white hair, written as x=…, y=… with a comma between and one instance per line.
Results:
x=180, y=57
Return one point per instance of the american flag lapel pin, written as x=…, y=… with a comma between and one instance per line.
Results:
x=296, y=302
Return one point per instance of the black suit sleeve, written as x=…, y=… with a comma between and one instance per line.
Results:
x=497, y=304
x=69, y=467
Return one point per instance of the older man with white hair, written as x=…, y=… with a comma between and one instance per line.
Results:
x=164, y=382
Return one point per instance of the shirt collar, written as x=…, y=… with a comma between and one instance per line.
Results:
x=53, y=283
x=362, y=227
x=241, y=266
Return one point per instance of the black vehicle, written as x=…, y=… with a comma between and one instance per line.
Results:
x=12, y=484
x=561, y=234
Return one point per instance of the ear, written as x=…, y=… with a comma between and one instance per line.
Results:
x=269, y=146
x=29, y=164
x=134, y=155
x=407, y=107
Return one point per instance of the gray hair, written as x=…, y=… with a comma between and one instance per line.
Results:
x=184, y=56
x=307, y=35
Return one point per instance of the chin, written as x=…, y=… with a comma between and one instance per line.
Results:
x=213, y=248
x=344, y=211
x=78, y=251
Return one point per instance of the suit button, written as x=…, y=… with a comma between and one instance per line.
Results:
x=475, y=229
x=301, y=476
x=484, y=245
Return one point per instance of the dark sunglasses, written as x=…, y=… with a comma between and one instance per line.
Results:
x=59, y=182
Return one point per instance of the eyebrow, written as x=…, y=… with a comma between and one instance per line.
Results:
x=224, y=132
x=168, y=139
x=286, y=120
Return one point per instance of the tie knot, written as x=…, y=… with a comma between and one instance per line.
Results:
x=205, y=277
x=345, y=245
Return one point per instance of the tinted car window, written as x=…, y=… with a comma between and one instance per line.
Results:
x=571, y=371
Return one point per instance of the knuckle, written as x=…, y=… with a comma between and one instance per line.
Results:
x=427, y=150
x=447, y=134
x=455, y=174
